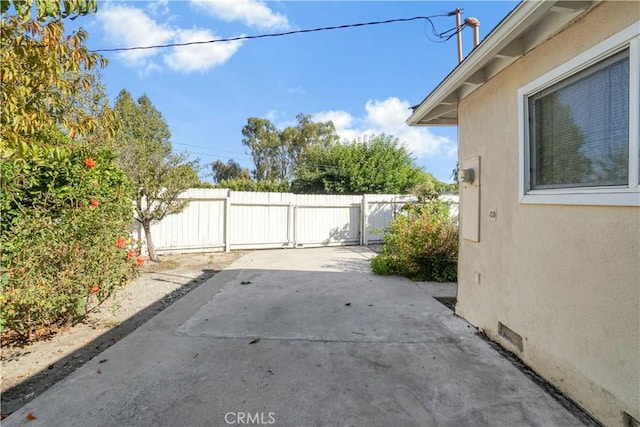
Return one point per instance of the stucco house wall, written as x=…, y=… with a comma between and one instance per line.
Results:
x=566, y=278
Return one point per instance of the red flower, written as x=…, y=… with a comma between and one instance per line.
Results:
x=140, y=261
x=131, y=253
x=121, y=242
x=95, y=289
x=94, y=202
x=90, y=163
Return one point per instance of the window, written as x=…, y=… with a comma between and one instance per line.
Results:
x=580, y=128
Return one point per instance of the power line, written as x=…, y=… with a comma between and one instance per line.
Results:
x=444, y=36
x=217, y=156
x=209, y=148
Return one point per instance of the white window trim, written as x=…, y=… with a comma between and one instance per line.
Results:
x=628, y=195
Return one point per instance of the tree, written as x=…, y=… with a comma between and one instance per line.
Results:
x=145, y=155
x=431, y=188
x=295, y=140
x=261, y=138
x=42, y=72
x=377, y=164
x=276, y=153
x=230, y=170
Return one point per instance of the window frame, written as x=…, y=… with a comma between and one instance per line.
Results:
x=625, y=195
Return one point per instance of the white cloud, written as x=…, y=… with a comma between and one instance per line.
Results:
x=343, y=122
x=201, y=57
x=389, y=117
x=127, y=26
x=158, y=7
x=273, y=115
x=253, y=13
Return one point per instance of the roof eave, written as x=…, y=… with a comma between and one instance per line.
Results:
x=528, y=25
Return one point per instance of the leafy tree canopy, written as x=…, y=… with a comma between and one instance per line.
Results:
x=374, y=165
x=247, y=184
x=276, y=153
x=49, y=9
x=260, y=137
x=230, y=170
x=45, y=75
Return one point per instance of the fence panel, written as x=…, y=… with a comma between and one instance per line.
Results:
x=200, y=227
x=322, y=220
x=218, y=219
x=381, y=209
x=259, y=220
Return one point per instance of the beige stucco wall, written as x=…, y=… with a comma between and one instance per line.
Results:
x=566, y=278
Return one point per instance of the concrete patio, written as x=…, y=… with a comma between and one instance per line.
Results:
x=300, y=338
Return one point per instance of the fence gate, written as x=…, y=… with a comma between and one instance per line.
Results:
x=219, y=219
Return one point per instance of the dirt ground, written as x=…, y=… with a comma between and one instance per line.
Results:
x=29, y=370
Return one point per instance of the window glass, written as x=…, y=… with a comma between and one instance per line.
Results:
x=579, y=128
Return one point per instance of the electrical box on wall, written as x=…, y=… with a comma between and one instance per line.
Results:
x=469, y=177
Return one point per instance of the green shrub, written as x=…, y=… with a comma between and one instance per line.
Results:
x=422, y=244
x=247, y=184
x=66, y=218
x=382, y=265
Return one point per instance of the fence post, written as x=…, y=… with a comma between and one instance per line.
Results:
x=364, y=209
x=227, y=226
x=290, y=225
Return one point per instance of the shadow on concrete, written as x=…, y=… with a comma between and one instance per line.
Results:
x=449, y=302
x=24, y=392
x=293, y=334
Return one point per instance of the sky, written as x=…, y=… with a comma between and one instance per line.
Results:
x=364, y=79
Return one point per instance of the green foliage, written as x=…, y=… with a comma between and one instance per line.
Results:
x=430, y=188
x=422, y=244
x=44, y=74
x=62, y=216
x=382, y=265
x=260, y=137
x=204, y=184
x=230, y=170
x=374, y=165
x=247, y=184
x=454, y=187
x=144, y=153
x=66, y=208
x=298, y=139
x=46, y=9
x=276, y=153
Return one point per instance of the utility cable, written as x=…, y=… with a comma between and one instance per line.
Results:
x=446, y=35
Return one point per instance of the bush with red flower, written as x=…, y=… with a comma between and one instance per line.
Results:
x=121, y=242
x=60, y=260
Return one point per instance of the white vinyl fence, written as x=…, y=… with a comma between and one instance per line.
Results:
x=223, y=220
